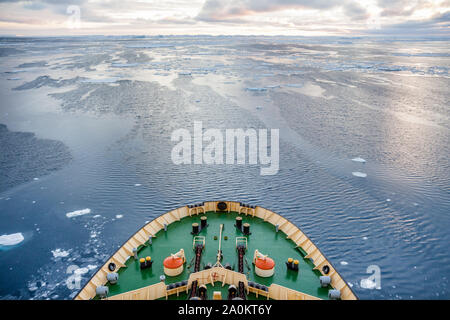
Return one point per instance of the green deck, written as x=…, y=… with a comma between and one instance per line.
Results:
x=263, y=237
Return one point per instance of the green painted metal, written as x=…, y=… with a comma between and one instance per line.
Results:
x=263, y=237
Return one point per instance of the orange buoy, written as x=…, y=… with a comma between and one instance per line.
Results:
x=173, y=265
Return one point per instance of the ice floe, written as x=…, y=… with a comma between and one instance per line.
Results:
x=84, y=270
x=368, y=284
x=358, y=159
x=119, y=216
x=11, y=239
x=344, y=263
x=359, y=174
x=60, y=253
x=77, y=213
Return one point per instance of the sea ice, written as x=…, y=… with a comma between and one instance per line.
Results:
x=359, y=174
x=344, y=263
x=368, y=284
x=81, y=271
x=60, y=253
x=11, y=239
x=358, y=159
x=119, y=216
x=78, y=213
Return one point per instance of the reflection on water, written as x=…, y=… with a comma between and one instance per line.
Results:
x=114, y=104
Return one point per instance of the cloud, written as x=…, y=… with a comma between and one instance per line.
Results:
x=332, y=17
x=221, y=10
x=437, y=25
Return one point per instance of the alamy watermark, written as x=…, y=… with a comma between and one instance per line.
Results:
x=74, y=19
x=374, y=280
x=74, y=280
x=213, y=147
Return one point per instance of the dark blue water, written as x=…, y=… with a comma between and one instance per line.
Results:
x=99, y=113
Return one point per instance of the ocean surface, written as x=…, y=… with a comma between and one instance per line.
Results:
x=85, y=150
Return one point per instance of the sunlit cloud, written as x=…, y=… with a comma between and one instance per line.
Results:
x=271, y=17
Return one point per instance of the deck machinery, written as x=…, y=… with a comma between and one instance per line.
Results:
x=222, y=234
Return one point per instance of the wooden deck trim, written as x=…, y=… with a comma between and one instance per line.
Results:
x=157, y=224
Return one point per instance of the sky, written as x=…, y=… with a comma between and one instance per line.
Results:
x=226, y=17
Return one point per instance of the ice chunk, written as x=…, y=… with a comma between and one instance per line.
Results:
x=78, y=213
x=60, y=253
x=344, y=263
x=81, y=271
x=119, y=216
x=368, y=284
x=359, y=174
x=11, y=239
x=358, y=159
